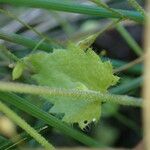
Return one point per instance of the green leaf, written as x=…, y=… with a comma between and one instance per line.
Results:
x=73, y=68
x=18, y=70
x=81, y=111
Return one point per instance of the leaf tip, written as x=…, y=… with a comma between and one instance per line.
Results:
x=17, y=71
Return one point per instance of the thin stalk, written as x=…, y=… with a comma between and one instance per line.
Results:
x=88, y=41
x=43, y=36
x=128, y=38
x=24, y=105
x=6, y=12
x=105, y=6
x=93, y=95
x=10, y=55
x=75, y=8
x=125, y=34
x=23, y=124
x=64, y=23
x=24, y=41
x=37, y=45
x=146, y=89
x=23, y=137
x=124, y=88
x=136, y=69
x=129, y=65
x=135, y=5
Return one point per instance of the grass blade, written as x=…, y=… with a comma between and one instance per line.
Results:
x=27, y=107
x=24, y=125
x=75, y=8
x=24, y=41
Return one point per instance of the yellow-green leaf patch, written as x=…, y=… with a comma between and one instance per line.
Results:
x=73, y=68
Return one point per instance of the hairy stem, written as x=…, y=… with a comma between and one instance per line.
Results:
x=43, y=90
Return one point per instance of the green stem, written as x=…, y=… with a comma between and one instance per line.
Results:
x=33, y=110
x=43, y=36
x=23, y=137
x=105, y=6
x=8, y=53
x=125, y=34
x=75, y=8
x=43, y=90
x=124, y=88
x=131, y=42
x=37, y=45
x=19, y=121
x=136, y=69
x=27, y=42
x=135, y=5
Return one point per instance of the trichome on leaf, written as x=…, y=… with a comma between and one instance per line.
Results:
x=72, y=68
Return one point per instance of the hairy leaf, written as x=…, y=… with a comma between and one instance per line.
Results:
x=73, y=68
